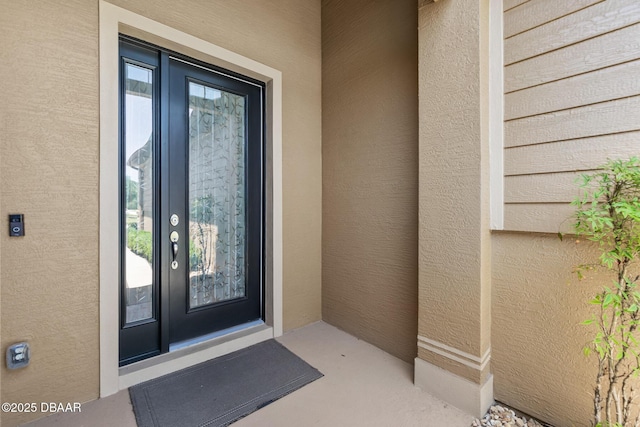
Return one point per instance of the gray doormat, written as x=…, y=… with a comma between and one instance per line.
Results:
x=223, y=390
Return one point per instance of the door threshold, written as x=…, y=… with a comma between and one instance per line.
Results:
x=192, y=353
x=211, y=336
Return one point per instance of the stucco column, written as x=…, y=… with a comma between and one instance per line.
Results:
x=454, y=342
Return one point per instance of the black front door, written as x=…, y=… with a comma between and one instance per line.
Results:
x=192, y=200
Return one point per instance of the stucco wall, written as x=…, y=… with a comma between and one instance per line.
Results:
x=537, y=339
x=49, y=170
x=454, y=248
x=370, y=171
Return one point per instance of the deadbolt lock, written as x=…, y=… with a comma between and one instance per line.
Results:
x=174, y=220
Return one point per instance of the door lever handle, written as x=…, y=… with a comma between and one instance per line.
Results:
x=174, y=250
x=174, y=236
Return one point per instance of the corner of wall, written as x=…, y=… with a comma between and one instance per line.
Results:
x=466, y=395
x=454, y=341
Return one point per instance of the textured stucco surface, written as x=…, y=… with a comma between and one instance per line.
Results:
x=370, y=171
x=538, y=304
x=454, y=240
x=49, y=170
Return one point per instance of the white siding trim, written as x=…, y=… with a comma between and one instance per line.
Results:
x=496, y=116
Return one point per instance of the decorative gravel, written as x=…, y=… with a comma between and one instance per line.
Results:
x=499, y=416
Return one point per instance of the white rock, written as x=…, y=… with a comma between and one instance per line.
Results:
x=499, y=416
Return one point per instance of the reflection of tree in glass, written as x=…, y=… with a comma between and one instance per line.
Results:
x=131, y=191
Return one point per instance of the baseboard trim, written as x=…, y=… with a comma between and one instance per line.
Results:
x=468, y=396
x=477, y=363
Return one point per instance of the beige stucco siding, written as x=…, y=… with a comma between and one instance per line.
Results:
x=572, y=100
x=454, y=240
x=370, y=171
x=537, y=339
x=49, y=169
x=49, y=172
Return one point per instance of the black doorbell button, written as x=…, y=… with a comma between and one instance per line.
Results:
x=16, y=225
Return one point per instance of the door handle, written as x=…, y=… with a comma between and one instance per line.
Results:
x=174, y=236
x=174, y=250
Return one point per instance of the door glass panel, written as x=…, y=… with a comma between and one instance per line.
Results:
x=217, y=229
x=138, y=193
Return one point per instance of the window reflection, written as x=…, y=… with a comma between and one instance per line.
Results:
x=138, y=193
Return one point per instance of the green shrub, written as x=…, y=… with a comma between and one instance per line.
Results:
x=140, y=242
x=609, y=214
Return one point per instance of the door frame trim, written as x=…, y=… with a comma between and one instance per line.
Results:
x=115, y=20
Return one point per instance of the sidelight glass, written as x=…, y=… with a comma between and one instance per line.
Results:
x=137, y=203
x=217, y=205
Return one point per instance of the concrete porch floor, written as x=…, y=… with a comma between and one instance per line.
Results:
x=362, y=386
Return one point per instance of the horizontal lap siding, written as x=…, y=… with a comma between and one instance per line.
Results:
x=572, y=101
x=543, y=188
x=619, y=81
x=535, y=13
x=582, y=154
x=621, y=115
x=593, y=54
x=510, y=4
x=538, y=217
x=601, y=18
